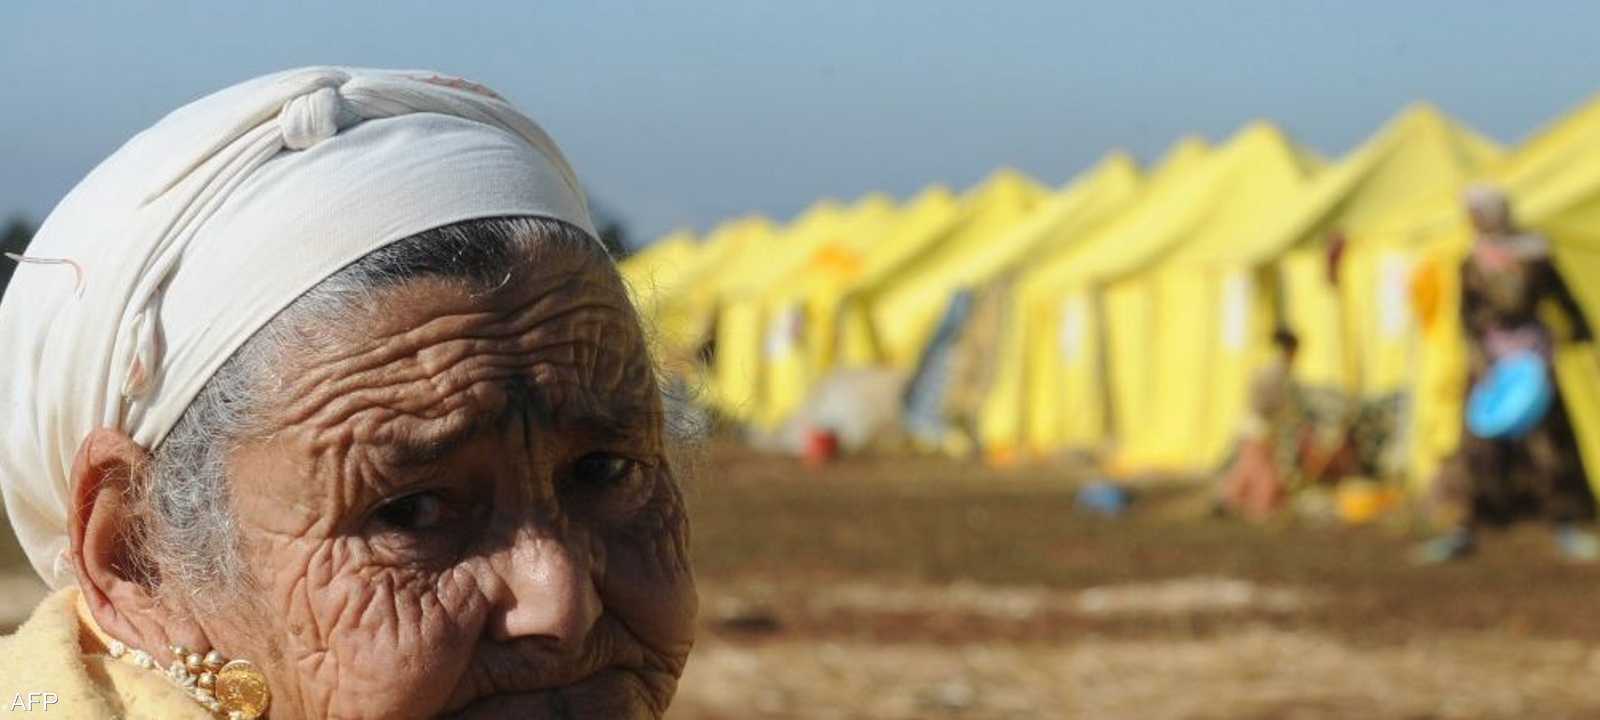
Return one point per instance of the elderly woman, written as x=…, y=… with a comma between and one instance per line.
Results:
x=321, y=399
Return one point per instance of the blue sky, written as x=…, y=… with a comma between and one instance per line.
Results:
x=684, y=113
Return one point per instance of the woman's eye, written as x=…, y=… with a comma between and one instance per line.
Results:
x=602, y=470
x=417, y=511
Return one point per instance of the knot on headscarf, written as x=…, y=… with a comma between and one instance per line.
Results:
x=324, y=102
x=313, y=117
x=198, y=231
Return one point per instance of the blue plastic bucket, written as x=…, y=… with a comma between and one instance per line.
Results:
x=1512, y=398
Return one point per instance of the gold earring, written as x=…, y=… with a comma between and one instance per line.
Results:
x=231, y=689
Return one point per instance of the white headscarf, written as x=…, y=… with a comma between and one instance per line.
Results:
x=194, y=234
x=1490, y=205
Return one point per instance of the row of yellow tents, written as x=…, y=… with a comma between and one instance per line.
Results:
x=1134, y=306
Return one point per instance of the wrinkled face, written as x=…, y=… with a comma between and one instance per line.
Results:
x=465, y=508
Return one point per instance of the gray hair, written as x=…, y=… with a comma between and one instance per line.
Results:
x=189, y=539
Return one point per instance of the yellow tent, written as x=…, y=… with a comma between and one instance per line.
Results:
x=1420, y=160
x=736, y=291
x=1050, y=365
x=1410, y=161
x=1555, y=180
x=1061, y=224
x=988, y=265
x=977, y=258
x=928, y=218
x=777, y=302
x=877, y=239
x=1186, y=322
x=671, y=283
x=799, y=309
x=895, y=306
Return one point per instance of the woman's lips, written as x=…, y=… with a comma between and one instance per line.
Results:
x=610, y=693
x=496, y=702
x=538, y=704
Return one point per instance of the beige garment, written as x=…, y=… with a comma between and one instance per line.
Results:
x=54, y=657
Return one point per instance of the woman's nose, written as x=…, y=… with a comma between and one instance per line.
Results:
x=550, y=593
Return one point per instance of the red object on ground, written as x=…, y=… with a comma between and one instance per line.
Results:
x=822, y=447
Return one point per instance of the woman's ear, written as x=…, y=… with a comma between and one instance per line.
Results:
x=117, y=582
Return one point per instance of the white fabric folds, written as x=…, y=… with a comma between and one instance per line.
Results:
x=195, y=233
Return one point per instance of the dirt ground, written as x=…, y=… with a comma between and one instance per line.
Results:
x=925, y=588
x=921, y=588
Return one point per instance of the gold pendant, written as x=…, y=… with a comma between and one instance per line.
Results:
x=242, y=690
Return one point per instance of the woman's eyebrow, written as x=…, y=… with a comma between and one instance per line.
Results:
x=437, y=448
x=613, y=416
x=608, y=416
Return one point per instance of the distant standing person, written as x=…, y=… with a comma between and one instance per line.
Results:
x=1513, y=300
